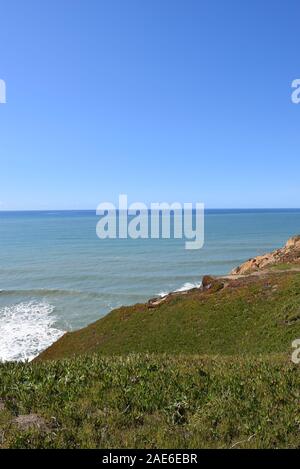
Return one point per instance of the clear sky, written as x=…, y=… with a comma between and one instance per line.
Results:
x=164, y=100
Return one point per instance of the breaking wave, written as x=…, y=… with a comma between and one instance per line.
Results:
x=26, y=329
x=185, y=287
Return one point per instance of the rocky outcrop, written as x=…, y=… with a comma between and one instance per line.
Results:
x=289, y=254
x=212, y=283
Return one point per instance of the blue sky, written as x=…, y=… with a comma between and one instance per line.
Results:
x=164, y=100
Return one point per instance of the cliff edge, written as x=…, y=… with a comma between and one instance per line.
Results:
x=289, y=254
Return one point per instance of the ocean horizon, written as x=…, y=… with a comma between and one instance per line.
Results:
x=57, y=276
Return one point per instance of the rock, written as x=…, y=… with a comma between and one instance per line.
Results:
x=207, y=281
x=293, y=243
x=154, y=302
x=211, y=283
x=290, y=253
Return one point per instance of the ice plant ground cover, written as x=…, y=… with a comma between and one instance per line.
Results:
x=150, y=401
x=221, y=377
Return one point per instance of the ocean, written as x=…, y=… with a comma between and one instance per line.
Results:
x=56, y=275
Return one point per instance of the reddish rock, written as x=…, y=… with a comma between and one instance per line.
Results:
x=290, y=253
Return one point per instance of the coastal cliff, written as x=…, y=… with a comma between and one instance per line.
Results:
x=289, y=255
x=207, y=368
x=250, y=304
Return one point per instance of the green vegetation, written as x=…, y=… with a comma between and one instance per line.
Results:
x=250, y=316
x=205, y=369
x=283, y=267
x=153, y=401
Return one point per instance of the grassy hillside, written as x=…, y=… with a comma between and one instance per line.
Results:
x=251, y=315
x=150, y=401
x=219, y=374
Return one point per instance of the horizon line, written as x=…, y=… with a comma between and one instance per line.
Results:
x=95, y=209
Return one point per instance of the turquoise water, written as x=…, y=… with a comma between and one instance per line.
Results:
x=56, y=275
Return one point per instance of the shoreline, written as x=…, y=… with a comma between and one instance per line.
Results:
x=212, y=283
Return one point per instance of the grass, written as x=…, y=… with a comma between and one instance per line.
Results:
x=251, y=316
x=207, y=369
x=283, y=266
x=152, y=401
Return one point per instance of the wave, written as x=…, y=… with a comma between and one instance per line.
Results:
x=185, y=287
x=42, y=293
x=26, y=329
x=47, y=292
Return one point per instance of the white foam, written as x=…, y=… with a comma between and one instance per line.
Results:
x=26, y=329
x=163, y=293
x=188, y=286
x=185, y=287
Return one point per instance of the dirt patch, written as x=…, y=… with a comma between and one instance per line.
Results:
x=31, y=422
